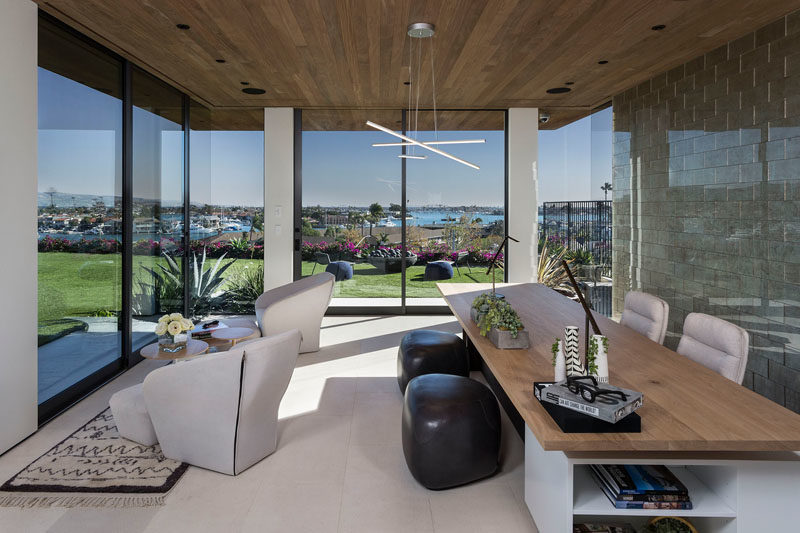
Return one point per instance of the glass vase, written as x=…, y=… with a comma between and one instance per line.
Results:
x=172, y=343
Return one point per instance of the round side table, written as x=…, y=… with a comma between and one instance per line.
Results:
x=232, y=335
x=193, y=347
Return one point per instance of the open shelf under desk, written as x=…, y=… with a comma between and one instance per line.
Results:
x=589, y=498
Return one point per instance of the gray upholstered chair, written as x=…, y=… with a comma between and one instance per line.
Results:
x=297, y=305
x=716, y=344
x=300, y=304
x=220, y=411
x=646, y=314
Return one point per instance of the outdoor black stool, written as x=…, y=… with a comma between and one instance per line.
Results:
x=427, y=351
x=341, y=270
x=451, y=430
x=436, y=270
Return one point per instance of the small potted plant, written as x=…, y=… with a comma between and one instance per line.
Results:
x=481, y=305
x=502, y=325
x=171, y=331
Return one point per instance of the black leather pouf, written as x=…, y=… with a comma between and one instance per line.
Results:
x=451, y=430
x=426, y=351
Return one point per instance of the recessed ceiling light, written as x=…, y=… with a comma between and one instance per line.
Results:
x=245, y=82
x=658, y=27
x=220, y=60
x=558, y=90
x=569, y=83
x=253, y=90
x=182, y=26
x=602, y=62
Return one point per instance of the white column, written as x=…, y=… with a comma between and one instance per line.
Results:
x=523, y=156
x=278, y=196
x=18, y=134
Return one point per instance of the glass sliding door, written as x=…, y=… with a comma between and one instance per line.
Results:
x=351, y=196
x=158, y=199
x=79, y=215
x=575, y=165
x=455, y=213
x=227, y=208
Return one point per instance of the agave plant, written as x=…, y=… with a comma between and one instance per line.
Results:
x=167, y=286
x=240, y=246
x=551, y=272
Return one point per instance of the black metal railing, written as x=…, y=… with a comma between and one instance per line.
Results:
x=583, y=227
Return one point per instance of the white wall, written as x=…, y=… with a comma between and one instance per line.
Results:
x=278, y=196
x=523, y=155
x=18, y=138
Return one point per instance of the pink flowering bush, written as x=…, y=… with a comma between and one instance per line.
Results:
x=348, y=251
x=151, y=247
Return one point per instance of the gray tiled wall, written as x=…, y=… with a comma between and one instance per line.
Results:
x=707, y=196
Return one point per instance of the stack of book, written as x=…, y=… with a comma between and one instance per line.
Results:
x=641, y=487
x=202, y=333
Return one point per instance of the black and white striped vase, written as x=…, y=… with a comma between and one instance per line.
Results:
x=574, y=365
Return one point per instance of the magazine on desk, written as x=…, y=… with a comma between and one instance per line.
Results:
x=610, y=409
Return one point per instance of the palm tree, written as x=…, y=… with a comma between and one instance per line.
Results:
x=605, y=188
x=375, y=214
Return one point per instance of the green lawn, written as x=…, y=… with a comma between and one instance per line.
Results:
x=89, y=284
x=369, y=282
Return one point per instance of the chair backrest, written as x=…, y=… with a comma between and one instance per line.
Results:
x=267, y=367
x=322, y=258
x=300, y=304
x=461, y=257
x=716, y=344
x=646, y=314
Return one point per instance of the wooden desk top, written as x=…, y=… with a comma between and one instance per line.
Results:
x=687, y=407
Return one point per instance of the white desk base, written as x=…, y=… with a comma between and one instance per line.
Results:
x=731, y=493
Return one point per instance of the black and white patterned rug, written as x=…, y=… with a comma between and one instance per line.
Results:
x=94, y=467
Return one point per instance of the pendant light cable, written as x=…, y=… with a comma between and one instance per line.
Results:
x=433, y=84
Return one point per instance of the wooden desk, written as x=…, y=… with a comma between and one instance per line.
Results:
x=691, y=416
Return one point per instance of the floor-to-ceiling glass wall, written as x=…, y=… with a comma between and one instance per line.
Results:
x=455, y=213
x=226, y=171
x=354, y=183
x=158, y=189
x=79, y=211
x=575, y=201
x=351, y=203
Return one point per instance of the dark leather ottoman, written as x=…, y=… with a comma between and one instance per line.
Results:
x=451, y=430
x=426, y=351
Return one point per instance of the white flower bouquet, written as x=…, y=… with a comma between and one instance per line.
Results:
x=171, y=330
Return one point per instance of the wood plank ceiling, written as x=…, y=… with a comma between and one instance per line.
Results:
x=353, y=54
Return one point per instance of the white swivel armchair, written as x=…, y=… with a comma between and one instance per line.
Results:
x=300, y=305
x=646, y=314
x=716, y=344
x=221, y=411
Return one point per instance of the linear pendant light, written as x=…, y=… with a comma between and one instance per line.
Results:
x=423, y=30
x=421, y=145
x=435, y=143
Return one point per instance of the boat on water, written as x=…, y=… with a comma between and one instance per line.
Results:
x=388, y=222
x=93, y=231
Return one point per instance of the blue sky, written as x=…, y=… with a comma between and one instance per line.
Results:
x=79, y=129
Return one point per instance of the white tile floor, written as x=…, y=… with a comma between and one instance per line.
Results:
x=339, y=464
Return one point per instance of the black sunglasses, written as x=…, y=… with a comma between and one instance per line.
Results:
x=590, y=391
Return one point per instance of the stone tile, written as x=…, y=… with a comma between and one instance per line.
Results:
x=770, y=389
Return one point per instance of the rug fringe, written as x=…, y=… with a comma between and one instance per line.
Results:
x=38, y=501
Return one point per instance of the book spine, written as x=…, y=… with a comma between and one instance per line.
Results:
x=653, y=505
